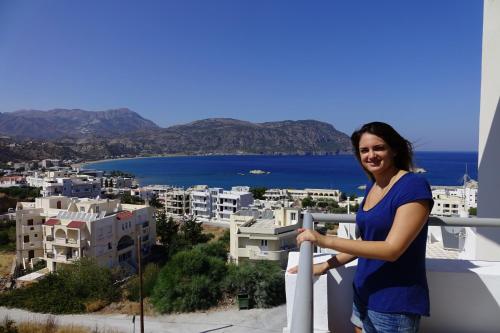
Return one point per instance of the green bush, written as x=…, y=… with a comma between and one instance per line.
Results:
x=149, y=278
x=263, y=281
x=191, y=280
x=68, y=290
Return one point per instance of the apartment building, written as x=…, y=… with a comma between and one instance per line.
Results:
x=61, y=230
x=177, y=202
x=263, y=235
x=454, y=200
x=9, y=181
x=276, y=194
x=216, y=203
x=150, y=191
x=79, y=187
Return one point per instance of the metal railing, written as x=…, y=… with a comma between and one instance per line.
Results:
x=302, y=312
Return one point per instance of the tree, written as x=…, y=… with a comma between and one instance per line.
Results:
x=473, y=211
x=308, y=202
x=263, y=281
x=155, y=202
x=127, y=198
x=168, y=233
x=322, y=204
x=258, y=192
x=192, y=233
x=191, y=280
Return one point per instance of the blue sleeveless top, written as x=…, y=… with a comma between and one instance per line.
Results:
x=400, y=286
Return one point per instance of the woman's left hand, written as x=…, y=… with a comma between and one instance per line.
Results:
x=308, y=235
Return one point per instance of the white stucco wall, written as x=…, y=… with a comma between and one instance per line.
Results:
x=464, y=295
x=484, y=243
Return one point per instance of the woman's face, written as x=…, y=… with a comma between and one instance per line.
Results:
x=375, y=154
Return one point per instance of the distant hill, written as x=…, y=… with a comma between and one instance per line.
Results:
x=131, y=135
x=223, y=135
x=73, y=123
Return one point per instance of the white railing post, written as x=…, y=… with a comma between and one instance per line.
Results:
x=302, y=314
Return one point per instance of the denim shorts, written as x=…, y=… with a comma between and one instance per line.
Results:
x=378, y=322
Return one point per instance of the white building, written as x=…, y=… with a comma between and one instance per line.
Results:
x=276, y=194
x=263, y=235
x=216, y=203
x=9, y=181
x=177, y=202
x=454, y=200
x=61, y=230
x=79, y=187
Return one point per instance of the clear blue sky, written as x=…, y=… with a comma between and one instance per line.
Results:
x=415, y=64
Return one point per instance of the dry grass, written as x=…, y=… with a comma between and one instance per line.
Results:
x=6, y=262
x=218, y=232
x=51, y=326
x=129, y=308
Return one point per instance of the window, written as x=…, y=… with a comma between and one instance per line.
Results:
x=27, y=239
x=293, y=216
x=109, y=246
x=58, y=205
x=97, y=209
x=263, y=242
x=82, y=209
x=30, y=222
x=36, y=235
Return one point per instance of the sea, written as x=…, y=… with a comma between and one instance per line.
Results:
x=298, y=172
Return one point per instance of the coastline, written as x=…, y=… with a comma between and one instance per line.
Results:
x=83, y=164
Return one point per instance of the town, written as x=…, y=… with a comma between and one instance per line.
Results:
x=91, y=213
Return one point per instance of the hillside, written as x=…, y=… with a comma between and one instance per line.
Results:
x=144, y=138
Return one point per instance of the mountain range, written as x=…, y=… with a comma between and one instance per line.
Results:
x=87, y=135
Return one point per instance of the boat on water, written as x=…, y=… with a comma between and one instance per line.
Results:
x=259, y=172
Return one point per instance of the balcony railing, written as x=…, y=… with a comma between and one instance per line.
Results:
x=302, y=311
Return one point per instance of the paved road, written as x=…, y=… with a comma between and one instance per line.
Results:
x=230, y=321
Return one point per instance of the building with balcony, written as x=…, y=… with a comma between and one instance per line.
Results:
x=276, y=194
x=263, y=234
x=61, y=230
x=177, y=202
x=218, y=204
x=9, y=181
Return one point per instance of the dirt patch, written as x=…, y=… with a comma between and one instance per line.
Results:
x=218, y=232
x=6, y=259
x=129, y=308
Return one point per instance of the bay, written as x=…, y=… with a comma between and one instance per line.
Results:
x=339, y=172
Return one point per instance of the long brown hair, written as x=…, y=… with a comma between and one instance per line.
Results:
x=402, y=148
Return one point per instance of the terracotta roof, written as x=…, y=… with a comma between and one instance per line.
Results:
x=76, y=225
x=52, y=222
x=124, y=215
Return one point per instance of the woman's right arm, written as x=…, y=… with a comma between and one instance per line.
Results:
x=334, y=262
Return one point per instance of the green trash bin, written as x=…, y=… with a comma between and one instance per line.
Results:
x=243, y=301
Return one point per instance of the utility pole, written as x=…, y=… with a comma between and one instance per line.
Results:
x=141, y=297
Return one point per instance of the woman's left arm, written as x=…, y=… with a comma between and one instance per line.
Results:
x=408, y=221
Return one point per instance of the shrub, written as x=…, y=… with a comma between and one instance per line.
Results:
x=149, y=278
x=68, y=290
x=191, y=280
x=263, y=281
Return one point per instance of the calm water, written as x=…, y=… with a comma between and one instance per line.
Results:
x=341, y=172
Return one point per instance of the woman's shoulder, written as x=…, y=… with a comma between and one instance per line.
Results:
x=414, y=179
x=412, y=188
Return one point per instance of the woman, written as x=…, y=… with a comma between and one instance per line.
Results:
x=390, y=286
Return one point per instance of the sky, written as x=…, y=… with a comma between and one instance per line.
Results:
x=413, y=64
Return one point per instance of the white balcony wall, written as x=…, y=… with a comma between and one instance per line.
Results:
x=484, y=243
x=465, y=296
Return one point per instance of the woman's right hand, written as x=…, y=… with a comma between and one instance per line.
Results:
x=318, y=269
